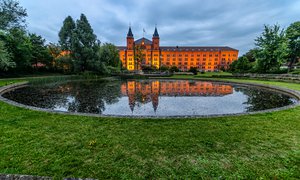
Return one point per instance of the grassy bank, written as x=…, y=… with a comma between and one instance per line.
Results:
x=253, y=146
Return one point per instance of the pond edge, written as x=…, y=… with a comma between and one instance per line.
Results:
x=293, y=93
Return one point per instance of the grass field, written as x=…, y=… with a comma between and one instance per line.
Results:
x=241, y=147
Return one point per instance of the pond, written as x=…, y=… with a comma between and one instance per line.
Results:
x=150, y=97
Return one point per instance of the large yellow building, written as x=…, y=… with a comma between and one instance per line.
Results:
x=144, y=52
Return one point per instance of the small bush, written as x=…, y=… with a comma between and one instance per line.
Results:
x=148, y=68
x=279, y=71
x=174, y=69
x=164, y=68
x=193, y=70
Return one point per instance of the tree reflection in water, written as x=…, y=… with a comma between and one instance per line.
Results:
x=260, y=99
x=76, y=96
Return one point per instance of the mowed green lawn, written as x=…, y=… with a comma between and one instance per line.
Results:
x=249, y=147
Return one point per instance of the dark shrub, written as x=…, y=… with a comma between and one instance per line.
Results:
x=193, y=70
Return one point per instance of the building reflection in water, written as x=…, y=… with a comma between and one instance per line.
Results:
x=149, y=91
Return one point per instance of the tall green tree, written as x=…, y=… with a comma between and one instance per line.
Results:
x=293, y=36
x=5, y=58
x=66, y=33
x=12, y=15
x=40, y=53
x=84, y=45
x=250, y=55
x=138, y=57
x=242, y=65
x=19, y=46
x=108, y=59
x=109, y=54
x=271, y=49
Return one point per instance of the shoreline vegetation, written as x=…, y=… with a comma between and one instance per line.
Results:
x=249, y=146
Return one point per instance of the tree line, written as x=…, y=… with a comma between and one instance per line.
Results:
x=275, y=47
x=77, y=51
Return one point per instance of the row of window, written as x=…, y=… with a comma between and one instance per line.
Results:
x=186, y=63
x=186, y=59
x=189, y=55
x=198, y=55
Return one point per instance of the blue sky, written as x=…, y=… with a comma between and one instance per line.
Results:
x=234, y=23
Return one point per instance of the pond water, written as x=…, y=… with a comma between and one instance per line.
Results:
x=149, y=97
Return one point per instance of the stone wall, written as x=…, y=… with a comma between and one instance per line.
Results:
x=28, y=177
x=22, y=177
x=277, y=77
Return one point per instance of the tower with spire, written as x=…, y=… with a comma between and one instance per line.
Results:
x=130, y=39
x=155, y=49
x=130, y=50
x=155, y=39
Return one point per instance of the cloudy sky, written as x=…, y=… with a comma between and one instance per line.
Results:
x=234, y=23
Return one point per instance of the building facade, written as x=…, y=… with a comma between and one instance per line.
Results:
x=144, y=52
